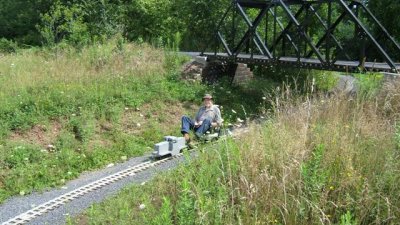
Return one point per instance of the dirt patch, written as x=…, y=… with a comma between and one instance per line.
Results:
x=82, y=220
x=40, y=134
x=165, y=116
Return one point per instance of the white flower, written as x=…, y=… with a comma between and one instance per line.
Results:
x=142, y=206
x=141, y=115
x=138, y=125
x=126, y=108
x=22, y=193
x=264, y=98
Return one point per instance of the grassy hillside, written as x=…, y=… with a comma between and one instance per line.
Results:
x=65, y=110
x=314, y=161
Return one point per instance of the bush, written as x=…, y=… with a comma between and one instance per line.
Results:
x=7, y=46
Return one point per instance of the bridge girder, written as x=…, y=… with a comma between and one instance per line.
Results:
x=260, y=31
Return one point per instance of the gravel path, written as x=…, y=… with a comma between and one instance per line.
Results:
x=20, y=204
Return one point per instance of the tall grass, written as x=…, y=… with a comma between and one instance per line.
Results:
x=314, y=161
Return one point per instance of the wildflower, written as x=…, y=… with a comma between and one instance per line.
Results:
x=332, y=188
x=126, y=108
x=22, y=193
x=264, y=98
x=142, y=206
x=138, y=125
x=69, y=173
x=51, y=147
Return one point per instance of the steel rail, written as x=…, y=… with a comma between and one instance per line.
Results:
x=76, y=193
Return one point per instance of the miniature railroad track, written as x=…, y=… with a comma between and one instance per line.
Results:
x=75, y=194
x=93, y=186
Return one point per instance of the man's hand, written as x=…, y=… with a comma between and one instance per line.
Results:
x=197, y=124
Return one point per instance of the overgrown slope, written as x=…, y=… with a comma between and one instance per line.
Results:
x=65, y=110
x=314, y=161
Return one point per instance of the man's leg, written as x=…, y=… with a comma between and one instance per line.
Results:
x=187, y=125
x=205, y=126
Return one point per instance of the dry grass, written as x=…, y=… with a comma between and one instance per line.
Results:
x=316, y=160
x=358, y=149
x=70, y=66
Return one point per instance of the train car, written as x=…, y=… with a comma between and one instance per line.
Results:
x=170, y=146
x=173, y=145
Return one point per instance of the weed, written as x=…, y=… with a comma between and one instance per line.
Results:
x=320, y=160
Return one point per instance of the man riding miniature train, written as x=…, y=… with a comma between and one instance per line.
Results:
x=208, y=117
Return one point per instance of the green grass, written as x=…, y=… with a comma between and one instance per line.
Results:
x=96, y=105
x=83, y=102
x=320, y=161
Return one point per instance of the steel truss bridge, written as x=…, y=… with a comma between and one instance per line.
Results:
x=338, y=35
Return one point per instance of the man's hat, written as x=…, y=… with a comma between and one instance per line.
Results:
x=207, y=96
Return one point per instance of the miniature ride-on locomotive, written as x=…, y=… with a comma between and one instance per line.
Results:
x=174, y=145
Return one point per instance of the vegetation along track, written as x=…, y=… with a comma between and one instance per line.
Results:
x=77, y=193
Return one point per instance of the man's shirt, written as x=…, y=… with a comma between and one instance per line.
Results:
x=213, y=114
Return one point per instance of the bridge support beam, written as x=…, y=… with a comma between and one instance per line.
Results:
x=274, y=32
